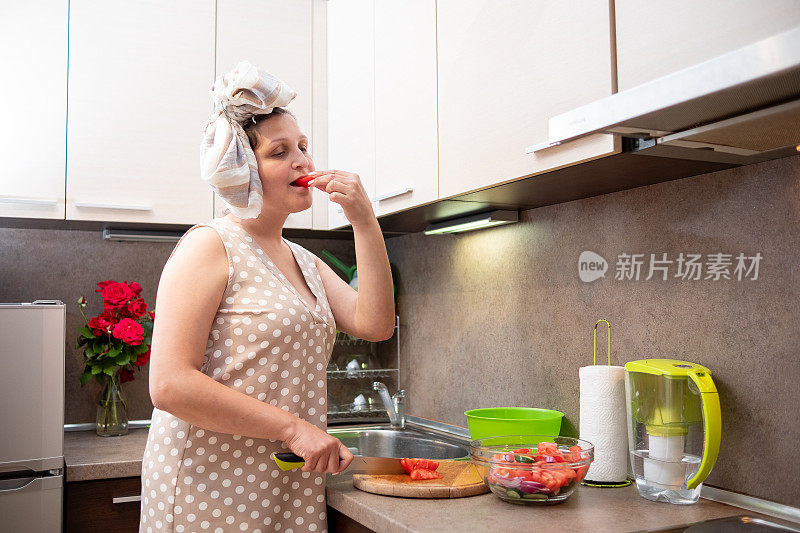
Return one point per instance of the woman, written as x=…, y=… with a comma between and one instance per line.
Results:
x=246, y=324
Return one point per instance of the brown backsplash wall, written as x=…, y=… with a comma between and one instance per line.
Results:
x=64, y=265
x=499, y=317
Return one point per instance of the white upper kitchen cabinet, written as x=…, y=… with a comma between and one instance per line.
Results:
x=657, y=38
x=405, y=105
x=351, y=95
x=505, y=68
x=33, y=55
x=276, y=36
x=139, y=76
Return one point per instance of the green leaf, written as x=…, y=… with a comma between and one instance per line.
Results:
x=96, y=369
x=86, y=331
x=85, y=377
x=141, y=348
x=114, y=352
x=147, y=337
x=98, y=346
x=109, y=369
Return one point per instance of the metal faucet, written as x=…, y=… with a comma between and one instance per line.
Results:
x=393, y=404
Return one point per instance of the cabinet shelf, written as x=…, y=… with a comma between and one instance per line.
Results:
x=356, y=374
x=345, y=413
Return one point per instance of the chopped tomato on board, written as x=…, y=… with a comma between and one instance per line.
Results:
x=410, y=464
x=427, y=464
x=425, y=474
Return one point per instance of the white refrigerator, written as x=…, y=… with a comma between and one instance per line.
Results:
x=32, y=416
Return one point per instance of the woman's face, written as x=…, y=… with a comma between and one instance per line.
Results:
x=282, y=156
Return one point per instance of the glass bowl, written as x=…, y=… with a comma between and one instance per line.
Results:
x=532, y=469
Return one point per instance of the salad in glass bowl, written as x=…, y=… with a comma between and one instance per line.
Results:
x=534, y=469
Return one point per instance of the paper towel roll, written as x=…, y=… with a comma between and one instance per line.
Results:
x=603, y=421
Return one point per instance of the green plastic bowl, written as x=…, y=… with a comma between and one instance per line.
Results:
x=494, y=421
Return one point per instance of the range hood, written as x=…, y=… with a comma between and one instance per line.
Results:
x=739, y=108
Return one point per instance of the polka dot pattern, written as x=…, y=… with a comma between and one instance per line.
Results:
x=269, y=342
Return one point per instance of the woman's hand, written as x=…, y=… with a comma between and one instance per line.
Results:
x=345, y=189
x=321, y=452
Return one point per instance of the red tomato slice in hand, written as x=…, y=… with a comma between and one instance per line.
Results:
x=303, y=181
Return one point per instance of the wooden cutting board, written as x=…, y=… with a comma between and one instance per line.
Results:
x=461, y=479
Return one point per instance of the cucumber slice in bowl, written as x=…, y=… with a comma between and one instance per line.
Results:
x=537, y=496
x=513, y=494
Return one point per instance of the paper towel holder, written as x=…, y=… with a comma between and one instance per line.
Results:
x=609, y=340
x=605, y=484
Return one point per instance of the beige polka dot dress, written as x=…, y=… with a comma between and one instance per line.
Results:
x=267, y=342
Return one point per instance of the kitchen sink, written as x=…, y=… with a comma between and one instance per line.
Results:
x=380, y=441
x=731, y=524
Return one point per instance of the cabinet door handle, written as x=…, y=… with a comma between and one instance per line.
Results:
x=9, y=485
x=392, y=194
x=29, y=201
x=129, y=207
x=127, y=499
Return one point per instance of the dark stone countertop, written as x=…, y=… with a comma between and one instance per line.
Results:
x=89, y=457
x=588, y=509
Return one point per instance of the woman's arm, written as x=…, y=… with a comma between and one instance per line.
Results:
x=369, y=312
x=189, y=294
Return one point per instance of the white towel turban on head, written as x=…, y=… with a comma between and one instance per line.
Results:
x=228, y=163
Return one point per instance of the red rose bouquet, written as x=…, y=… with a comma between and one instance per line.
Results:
x=115, y=343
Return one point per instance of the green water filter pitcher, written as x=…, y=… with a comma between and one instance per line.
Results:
x=674, y=427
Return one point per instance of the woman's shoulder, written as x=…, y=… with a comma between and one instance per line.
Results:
x=198, y=269
x=203, y=238
x=201, y=248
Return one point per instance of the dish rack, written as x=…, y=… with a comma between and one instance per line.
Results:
x=347, y=383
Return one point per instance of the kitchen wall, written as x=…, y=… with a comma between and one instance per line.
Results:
x=500, y=317
x=64, y=265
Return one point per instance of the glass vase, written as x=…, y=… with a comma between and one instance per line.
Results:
x=112, y=409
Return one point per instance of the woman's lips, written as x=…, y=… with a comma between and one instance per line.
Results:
x=302, y=181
